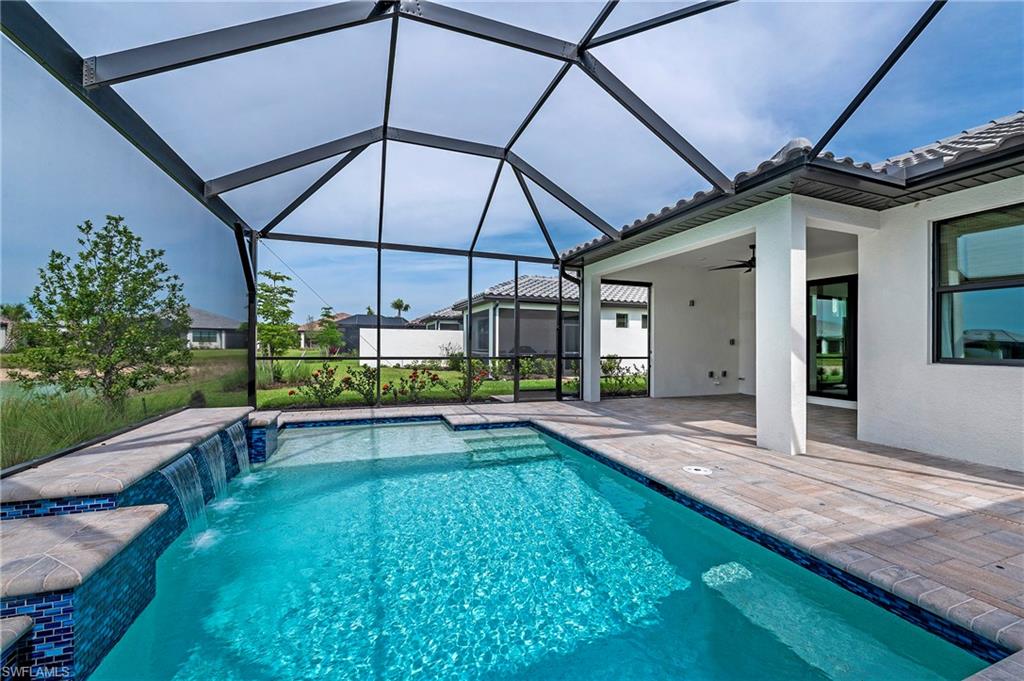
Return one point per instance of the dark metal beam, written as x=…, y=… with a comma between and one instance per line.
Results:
x=30, y=32
x=536, y=213
x=251, y=321
x=299, y=159
x=312, y=189
x=598, y=22
x=466, y=23
x=878, y=75
x=652, y=121
x=389, y=84
x=425, y=139
x=487, y=205
x=564, y=197
x=147, y=60
x=661, y=20
x=409, y=248
x=243, y=255
x=537, y=105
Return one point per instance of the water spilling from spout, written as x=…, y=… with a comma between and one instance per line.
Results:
x=213, y=454
x=183, y=476
x=241, y=446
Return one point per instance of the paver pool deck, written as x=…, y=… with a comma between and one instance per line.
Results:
x=946, y=535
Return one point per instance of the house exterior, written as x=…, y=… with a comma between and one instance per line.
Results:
x=353, y=325
x=308, y=330
x=624, y=319
x=894, y=288
x=448, y=319
x=211, y=331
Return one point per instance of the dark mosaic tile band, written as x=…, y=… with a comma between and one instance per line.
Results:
x=63, y=506
x=950, y=631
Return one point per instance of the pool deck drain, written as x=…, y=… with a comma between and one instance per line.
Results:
x=945, y=535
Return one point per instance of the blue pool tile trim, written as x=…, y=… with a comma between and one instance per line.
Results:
x=954, y=633
x=142, y=492
x=15, y=663
x=73, y=629
x=62, y=506
x=262, y=442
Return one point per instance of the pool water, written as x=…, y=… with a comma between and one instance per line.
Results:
x=411, y=551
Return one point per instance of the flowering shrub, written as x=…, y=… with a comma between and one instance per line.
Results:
x=459, y=386
x=321, y=386
x=363, y=380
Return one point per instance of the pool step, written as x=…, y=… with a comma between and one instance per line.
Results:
x=511, y=454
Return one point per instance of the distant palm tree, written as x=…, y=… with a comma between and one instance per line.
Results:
x=15, y=314
x=369, y=310
x=399, y=306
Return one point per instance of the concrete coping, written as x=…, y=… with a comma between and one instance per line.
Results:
x=12, y=629
x=60, y=552
x=111, y=466
x=262, y=419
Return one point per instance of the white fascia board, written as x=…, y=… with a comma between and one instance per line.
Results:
x=837, y=217
x=705, y=235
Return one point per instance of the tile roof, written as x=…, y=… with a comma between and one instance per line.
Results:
x=446, y=313
x=314, y=324
x=204, y=319
x=537, y=287
x=972, y=143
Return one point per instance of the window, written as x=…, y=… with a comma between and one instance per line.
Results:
x=204, y=336
x=979, y=288
x=643, y=321
x=621, y=320
x=481, y=332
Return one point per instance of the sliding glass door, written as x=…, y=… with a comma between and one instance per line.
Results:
x=832, y=338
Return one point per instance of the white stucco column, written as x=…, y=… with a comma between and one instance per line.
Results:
x=781, y=318
x=591, y=310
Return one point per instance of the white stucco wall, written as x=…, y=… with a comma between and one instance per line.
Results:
x=966, y=412
x=688, y=342
x=406, y=343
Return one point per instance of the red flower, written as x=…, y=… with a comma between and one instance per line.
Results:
x=291, y=392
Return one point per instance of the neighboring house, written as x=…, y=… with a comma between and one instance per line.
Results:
x=308, y=330
x=448, y=319
x=350, y=327
x=624, y=318
x=213, y=331
x=895, y=288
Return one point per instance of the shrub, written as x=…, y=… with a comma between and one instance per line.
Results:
x=362, y=380
x=197, y=399
x=321, y=386
x=455, y=356
x=461, y=390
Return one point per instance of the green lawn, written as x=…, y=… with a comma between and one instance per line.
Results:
x=277, y=396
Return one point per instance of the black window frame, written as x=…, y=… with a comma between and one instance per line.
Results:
x=938, y=289
x=206, y=333
x=644, y=322
x=618, y=317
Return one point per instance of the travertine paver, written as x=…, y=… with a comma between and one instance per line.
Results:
x=113, y=465
x=947, y=535
x=1009, y=669
x=52, y=553
x=12, y=629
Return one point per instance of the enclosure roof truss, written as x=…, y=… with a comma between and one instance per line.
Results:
x=91, y=79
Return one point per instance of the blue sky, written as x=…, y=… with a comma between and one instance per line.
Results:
x=738, y=82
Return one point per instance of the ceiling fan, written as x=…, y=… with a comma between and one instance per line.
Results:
x=750, y=263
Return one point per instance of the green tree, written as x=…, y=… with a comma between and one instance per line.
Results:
x=369, y=310
x=327, y=337
x=399, y=306
x=275, y=331
x=112, y=319
x=17, y=316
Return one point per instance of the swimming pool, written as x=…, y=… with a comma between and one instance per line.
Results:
x=399, y=551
